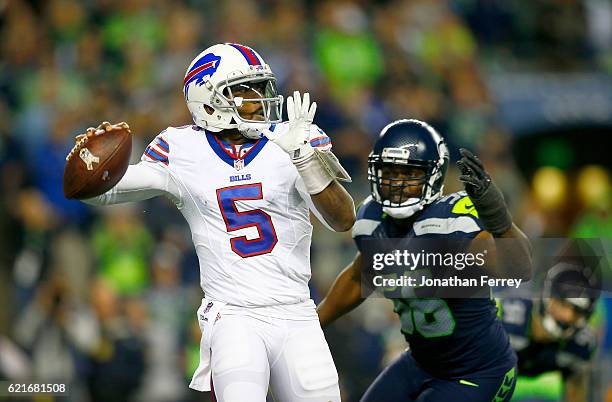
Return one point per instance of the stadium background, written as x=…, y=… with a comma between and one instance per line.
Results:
x=105, y=299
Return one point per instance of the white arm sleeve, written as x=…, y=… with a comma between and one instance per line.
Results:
x=141, y=181
x=301, y=188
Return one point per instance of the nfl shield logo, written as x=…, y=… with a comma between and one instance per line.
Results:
x=238, y=164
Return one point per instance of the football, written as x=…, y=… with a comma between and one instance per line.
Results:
x=97, y=161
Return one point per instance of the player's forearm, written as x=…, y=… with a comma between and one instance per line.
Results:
x=513, y=256
x=344, y=295
x=336, y=206
x=117, y=196
x=140, y=182
x=514, y=252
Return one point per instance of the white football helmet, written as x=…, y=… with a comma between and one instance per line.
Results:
x=208, y=85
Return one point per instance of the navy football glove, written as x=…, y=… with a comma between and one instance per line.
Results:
x=488, y=199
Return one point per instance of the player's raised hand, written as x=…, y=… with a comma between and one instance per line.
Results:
x=487, y=198
x=473, y=174
x=301, y=113
x=300, y=108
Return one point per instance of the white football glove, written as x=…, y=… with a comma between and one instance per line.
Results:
x=317, y=168
x=295, y=140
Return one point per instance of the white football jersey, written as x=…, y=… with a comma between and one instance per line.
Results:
x=247, y=208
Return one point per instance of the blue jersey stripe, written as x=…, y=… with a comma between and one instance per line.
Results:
x=163, y=144
x=317, y=142
x=153, y=154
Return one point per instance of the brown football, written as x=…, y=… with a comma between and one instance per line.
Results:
x=98, y=161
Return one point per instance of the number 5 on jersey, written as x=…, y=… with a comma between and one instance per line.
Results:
x=236, y=220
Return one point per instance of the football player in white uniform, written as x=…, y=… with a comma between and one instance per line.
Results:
x=245, y=182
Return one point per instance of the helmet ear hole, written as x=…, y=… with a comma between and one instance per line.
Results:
x=209, y=110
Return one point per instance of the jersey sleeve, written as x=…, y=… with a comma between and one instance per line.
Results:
x=147, y=179
x=141, y=181
x=158, y=150
x=452, y=216
x=463, y=209
x=369, y=217
x=318, y=139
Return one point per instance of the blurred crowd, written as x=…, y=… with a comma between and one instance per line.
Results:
x=105, y=299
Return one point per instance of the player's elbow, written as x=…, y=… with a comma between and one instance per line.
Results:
x=94, y=201
x=525, y=261
x=519, y=267
x=527, y=272
x=345, y=221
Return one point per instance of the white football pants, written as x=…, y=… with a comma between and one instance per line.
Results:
x=248, y=352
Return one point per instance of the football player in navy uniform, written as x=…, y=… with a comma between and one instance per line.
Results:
x=459, y=350
x=552, y=337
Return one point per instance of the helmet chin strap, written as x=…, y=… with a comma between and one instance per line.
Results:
x=404, y=212
x=253, y=130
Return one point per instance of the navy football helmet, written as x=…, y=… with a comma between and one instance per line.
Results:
x=573, y=284
x=413, y=144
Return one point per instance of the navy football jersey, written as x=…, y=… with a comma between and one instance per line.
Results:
x=535, y=358
x=448, y=337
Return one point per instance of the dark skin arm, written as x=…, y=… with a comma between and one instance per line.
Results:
x=344, y=295
x=576, y=387
x=336, y=206
x=511, y=259
x=512, y=247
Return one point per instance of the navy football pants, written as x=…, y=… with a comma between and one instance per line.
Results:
x=404, y=381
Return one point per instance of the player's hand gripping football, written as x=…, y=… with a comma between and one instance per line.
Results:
x=104, y=127
x=301, y=114
x=97, y=161
x=485, y=195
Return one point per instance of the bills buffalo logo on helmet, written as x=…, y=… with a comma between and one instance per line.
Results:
x=205, y=67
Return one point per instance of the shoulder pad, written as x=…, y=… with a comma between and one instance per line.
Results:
x=158, y=150
x=458, y=203
x=369, y=216
x=452, y=214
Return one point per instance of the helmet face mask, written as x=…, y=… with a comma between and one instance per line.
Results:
x=226, y=84
x=398, y=185
x=261, y=94
x=406, y=168
x=561, y=318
